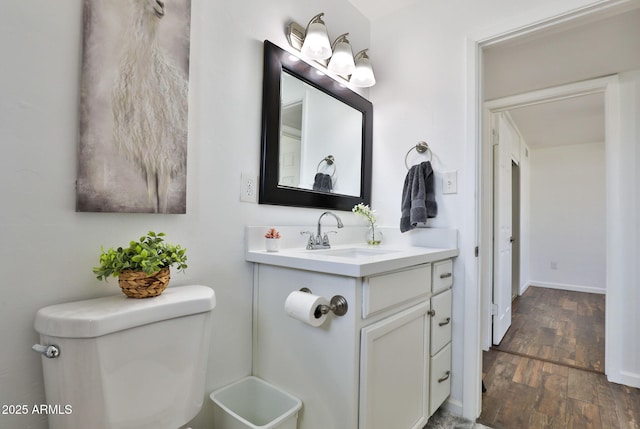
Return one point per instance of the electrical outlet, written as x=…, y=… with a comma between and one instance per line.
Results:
x=248, y=188
x=450, y=182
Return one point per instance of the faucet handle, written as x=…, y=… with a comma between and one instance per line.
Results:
x=325, y=238
x=311, y=241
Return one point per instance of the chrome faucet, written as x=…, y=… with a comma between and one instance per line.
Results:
x=321, y=241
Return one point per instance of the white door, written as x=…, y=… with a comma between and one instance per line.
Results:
x=502, y=228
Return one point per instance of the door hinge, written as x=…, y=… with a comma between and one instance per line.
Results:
x=494, y=309
x=477, y=251
x=495, y=137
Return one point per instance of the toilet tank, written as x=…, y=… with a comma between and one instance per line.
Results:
x=127, y=363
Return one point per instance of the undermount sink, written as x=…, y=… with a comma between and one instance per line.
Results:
x=355, y=252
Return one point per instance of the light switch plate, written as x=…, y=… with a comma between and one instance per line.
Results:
x=450, y=182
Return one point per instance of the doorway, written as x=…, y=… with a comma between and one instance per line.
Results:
x=563, y=220
x=556, y=240
x=547, y=347
x=618, y=149
x=519, y=236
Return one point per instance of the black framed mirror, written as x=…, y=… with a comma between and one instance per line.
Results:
x=316, y=137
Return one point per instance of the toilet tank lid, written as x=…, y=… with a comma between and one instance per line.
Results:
x=101, y=316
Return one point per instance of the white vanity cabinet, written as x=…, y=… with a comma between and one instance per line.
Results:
x=384, y=364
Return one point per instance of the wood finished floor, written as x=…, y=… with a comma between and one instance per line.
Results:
x=561, y=332
x=558, y=326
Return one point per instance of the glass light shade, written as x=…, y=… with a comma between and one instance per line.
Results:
x=316, y=40
x=363, y=74
x=342, y=60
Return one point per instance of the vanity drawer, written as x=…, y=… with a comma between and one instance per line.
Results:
x=442, y=275
x=388, y=290
x=440, y=383
x=440, y=321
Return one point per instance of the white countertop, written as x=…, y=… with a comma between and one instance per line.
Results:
x=357, y=266
x=360, y=260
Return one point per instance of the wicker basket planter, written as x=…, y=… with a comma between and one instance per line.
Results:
x=136, y=284
x=143, y=267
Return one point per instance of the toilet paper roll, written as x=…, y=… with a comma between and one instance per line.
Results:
x=302, y=306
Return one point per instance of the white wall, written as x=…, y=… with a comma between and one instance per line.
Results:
x=47, y=249
x=420, y=58
x=568, y=230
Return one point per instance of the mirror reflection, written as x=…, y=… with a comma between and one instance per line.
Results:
x=320, y=140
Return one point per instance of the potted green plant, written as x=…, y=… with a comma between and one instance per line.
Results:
x=143, y=267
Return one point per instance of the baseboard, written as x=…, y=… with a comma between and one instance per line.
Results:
x=453, y=406
x=564, y=286
x=625, y=377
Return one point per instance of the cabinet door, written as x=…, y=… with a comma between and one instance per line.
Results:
x=394, y=371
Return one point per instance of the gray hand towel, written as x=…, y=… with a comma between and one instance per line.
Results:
x=418, y=197
x=322, y=182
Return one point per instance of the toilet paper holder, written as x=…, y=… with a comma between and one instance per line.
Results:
x=337, y=305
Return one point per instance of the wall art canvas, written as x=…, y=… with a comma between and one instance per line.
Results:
x=133, y=108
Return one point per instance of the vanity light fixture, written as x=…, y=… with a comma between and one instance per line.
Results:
x=363, y=75
x=342, y=62
x=313, y=42
x=316, y=40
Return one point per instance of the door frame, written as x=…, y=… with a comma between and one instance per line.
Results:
x=472, y=362
x=604, y=85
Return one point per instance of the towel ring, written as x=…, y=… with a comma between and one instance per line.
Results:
x=330, y=160
x=421, y=147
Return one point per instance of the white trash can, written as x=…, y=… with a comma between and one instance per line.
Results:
x=252, y=403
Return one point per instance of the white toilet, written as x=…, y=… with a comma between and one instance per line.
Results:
x=126, y=363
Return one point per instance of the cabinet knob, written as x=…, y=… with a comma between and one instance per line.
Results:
x=445, y=378
x=431, y=312
x=446, y=322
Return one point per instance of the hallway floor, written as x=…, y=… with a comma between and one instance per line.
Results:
x=558, y=325
x=546, y=373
